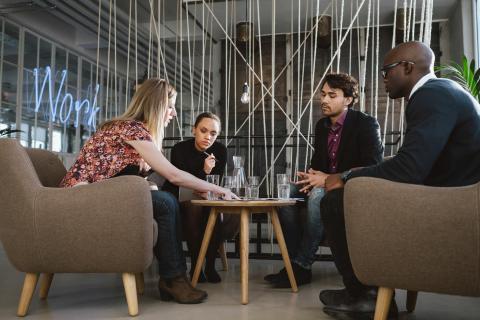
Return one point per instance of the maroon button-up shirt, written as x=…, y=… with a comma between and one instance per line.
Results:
x=334, y=136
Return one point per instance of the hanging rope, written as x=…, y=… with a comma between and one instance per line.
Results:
x=107, y=107
x=363, y=71
x=317, y=87
x=127, y=84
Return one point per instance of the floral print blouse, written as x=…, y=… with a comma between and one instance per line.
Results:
x=107, y=153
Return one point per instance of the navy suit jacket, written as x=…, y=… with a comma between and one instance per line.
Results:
x=360, y=144
x=442, y=139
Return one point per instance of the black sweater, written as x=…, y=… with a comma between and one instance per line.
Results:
x=185, y=157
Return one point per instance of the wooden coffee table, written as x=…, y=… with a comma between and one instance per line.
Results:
x=244, y=208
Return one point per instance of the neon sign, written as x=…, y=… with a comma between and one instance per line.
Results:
x=67, y=103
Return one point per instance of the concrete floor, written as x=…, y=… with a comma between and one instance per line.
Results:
x=101, y=296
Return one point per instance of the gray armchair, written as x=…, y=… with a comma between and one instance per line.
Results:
x=413, y=237
x=104, y=227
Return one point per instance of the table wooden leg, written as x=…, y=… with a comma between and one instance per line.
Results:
x=244, y=246
x=283, y=249
x=212, y=218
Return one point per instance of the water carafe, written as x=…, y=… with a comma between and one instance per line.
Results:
x=239, y=174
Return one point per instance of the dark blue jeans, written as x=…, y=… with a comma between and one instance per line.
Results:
x=303, y=234
x=168, y=250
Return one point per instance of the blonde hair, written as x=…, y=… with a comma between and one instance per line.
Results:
x=148, y=105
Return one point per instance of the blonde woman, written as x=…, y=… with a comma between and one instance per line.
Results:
x=131, y=143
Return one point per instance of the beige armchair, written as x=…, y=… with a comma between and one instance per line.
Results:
x=104, y=227
x=413, y=237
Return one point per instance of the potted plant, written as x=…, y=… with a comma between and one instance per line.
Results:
x=464, y=74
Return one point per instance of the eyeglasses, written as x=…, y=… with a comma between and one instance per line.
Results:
x=385, y=69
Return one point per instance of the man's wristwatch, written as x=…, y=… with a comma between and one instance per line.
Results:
x=345, y=175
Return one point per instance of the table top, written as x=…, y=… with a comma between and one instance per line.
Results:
x=245, y=203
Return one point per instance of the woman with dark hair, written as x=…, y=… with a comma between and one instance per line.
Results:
x=200, y=156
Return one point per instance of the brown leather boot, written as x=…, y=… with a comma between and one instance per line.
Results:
x=180, y=290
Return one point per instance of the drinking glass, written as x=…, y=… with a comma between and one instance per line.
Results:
x=283, y=186
x=215, y=179
x=251, y=192
x=253, y=180
x=229, y=182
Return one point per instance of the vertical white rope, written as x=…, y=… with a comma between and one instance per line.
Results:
x=272, y=113
x=331, y=34
x=180, y=127
x=209, y=68
x=385, y=123
x=202, y=77
x=428, y=28
x=372, y=62
x=414, y=13
x=159, y=47
x=364, y=68
x=376, y=62
x=235, y=98
x=98, y=38
x=128, y=52
x=405, y=8
x=340, y=35
x=265, y=142
x=350, y=45
x=408, y=14
x=422, y=21
x=312, y=81
x=297, y=153
x=359, y=54
x=149, y=55
x=115, y=56
x=192, y=113
x=107, y=107
x=303, y=76
x=227, y=77
x=252, y=94
x=136, y=45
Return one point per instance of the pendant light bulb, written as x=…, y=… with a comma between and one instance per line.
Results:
x=245, y=98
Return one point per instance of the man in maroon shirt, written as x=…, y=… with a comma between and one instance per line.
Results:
x=344, y=139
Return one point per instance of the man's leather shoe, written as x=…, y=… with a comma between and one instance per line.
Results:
x=273, y=277
x=333, y=297
x=302, y=276
x=344, y=306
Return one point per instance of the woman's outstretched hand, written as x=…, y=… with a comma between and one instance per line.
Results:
x=229, y=195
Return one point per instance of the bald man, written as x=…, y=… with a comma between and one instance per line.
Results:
x=441, y=148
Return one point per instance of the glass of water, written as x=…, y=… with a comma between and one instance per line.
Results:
x=254, y=181
x=229, y=182
x=251, y=192
x=215, y=179
x=283, y=186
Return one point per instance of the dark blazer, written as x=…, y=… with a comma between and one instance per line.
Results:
x=360, y=144
x=442, y=139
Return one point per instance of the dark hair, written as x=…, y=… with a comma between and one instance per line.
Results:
x=344, y=82
x=209, y=115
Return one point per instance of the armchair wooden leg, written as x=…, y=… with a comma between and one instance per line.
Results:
x=384, y=298
x=130, y=293
x=223, y=255
x=29, y=285
x=411, y=300
x=45, y=283
x=140, y=282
